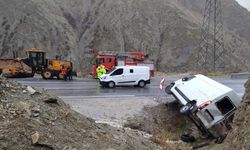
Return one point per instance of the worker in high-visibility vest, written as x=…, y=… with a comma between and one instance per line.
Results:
x=98, y=71
x=103, y=69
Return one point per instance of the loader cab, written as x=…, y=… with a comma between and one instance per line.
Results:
x=37, y=60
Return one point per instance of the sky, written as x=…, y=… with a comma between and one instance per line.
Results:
x=245, y=3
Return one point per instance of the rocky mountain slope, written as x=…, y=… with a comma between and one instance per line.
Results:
x=168, y=30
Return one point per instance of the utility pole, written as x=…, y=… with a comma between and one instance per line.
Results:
x=211, y=55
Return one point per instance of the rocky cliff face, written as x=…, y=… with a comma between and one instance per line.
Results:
x=166, y=29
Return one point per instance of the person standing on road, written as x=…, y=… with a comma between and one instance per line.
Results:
x=103, y=70
x=69, y=73
x=98, y=71
x=64, y=72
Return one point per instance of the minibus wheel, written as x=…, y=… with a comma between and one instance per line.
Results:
x=186, y=109
x=168, y=89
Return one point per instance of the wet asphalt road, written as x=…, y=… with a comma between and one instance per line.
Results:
x=113, y=106
x=91, y=88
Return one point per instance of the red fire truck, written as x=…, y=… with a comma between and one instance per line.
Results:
x=111, y=59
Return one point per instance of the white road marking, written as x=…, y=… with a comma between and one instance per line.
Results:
x=53, y=82
x=101, y=96
x=66, y=88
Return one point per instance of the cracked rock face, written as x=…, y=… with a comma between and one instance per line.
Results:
x=166, y=29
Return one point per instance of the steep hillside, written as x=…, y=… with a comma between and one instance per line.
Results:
x=34, y=24
x=167, y=29
x=32, y=119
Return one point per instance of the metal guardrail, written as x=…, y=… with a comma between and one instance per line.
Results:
x=243, y=75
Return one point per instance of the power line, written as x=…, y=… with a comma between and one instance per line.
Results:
x=211, y=55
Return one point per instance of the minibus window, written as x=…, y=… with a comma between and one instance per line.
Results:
x=225, y=105
x=131, y=70
x=210, y=115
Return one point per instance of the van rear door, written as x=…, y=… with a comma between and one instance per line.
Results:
x=214, y=113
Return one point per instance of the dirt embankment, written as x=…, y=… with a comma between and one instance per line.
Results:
x=33, y=119
x=165, y=123
x=239, y=137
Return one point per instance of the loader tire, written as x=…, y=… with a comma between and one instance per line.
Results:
x=47, y=74
x=60, y=76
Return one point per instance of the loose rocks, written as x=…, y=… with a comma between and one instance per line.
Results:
x=36, y=120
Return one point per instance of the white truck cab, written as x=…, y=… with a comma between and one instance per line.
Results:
x=205, y=101
x=126, y=76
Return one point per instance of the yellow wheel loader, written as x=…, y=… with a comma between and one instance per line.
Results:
x=36, y=62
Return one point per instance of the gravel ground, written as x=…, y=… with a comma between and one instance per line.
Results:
x=112, y=110
x=33, y=119
x=165, y=123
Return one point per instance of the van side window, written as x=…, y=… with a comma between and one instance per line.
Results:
x=117, y=72
x=225, y=105
x=131, y=70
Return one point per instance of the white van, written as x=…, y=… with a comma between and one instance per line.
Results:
x=206, y=102
x=126, y=76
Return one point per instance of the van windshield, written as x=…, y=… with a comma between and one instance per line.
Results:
x=111, y=70
x=117, y=72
